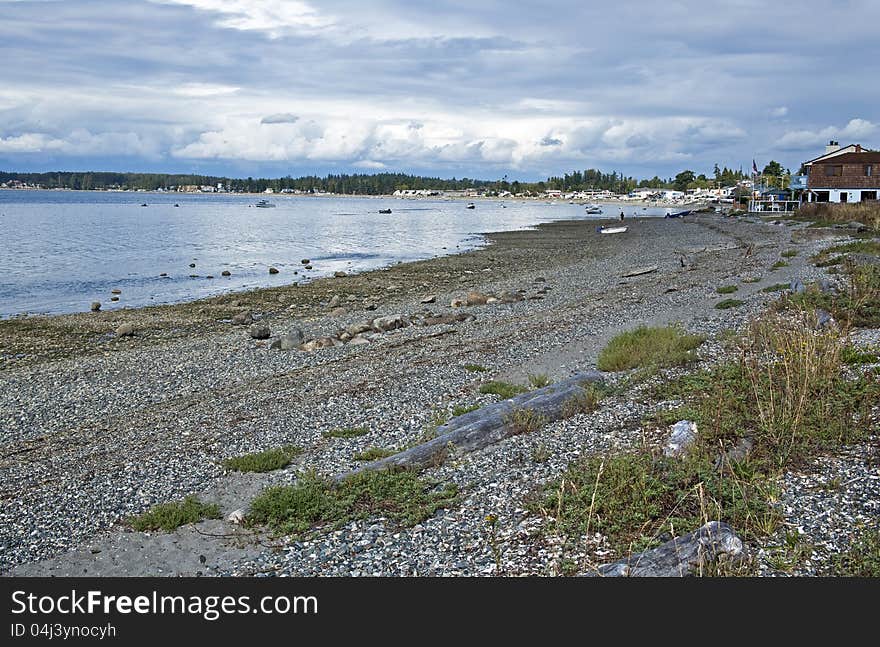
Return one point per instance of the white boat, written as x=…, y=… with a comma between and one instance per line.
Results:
x=264, y=204
x=612, y=230
x=593, y=208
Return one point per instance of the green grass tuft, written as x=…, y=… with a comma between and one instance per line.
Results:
x=399, y=495
x=651, y=347
x=525, y=421
x=503, y=389
x=374, y=454
x=169, y=516
x=271, y=459
x=539, y=380
x=475, y=368
x=778, y=264
x=862, y=559
x=346, y=432
x=751, y=279
x=726, y=289
x=728, y=303
x=461, y=410
x=789, y=253
x=852, y=356
x=776, y=287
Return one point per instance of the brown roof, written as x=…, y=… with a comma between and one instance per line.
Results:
x=853, y=158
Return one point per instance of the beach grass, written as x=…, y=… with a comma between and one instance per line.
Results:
x=645, y=346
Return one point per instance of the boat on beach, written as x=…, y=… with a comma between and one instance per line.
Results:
x=611, y=230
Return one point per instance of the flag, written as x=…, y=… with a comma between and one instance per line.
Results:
x=754, y=167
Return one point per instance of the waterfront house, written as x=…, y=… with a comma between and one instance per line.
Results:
x=851, y=176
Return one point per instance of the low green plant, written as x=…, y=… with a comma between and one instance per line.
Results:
x=346, y=432
x=751, y=279
x=540, y=453
x=853, y=356
x=726, y=289
x=461, y=410
x=525, y=421
x=778, y=264
x=169, y=516
x=776, y=287
x=399, y=495
x=373, y=454
x=862, y=559
x=539, y=380
x=830, y=262
x=789, y=253
x=475, y=368
x=645, y=346
x=728, y=303
x=586, y=400
x=503, y=389
x=858, y=305
x=266, y=461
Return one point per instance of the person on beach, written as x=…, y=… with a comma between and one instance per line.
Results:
x=621, y=216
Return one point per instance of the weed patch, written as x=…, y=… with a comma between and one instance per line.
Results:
x=373, y=454
x=726, y=289
x=271, y=459
x=503, y=389
x=346, y=432
x=169, y=516
x=728, y=303
x=651, y=347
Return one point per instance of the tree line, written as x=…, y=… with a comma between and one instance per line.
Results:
x=374, y=184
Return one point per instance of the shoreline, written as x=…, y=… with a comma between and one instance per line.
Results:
x=121, y=424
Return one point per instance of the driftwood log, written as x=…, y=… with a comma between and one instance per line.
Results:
x=485, y=426
x=679, y=557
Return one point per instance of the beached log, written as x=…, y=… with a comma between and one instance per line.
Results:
x=487, y=425
x=640, y=270
x=686, y=555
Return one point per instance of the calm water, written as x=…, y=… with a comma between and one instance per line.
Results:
x=61, y=250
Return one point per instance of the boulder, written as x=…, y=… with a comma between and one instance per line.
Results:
x=192, y=264
x=334, y=301
x=273, y=270
x=243, y=318
x=391, y=322
x=291, y=340
x=682, y=435
x=431, y=298
x=125, y=330
x=114, y=298
x=477, y=299
x=95, y=307
x=115, y=291
x=225, y=273
x=308, y=267
x=357, y=328
x=320, y=342
x=236, y=516
x=305, y=261
x=823, y=319
x=260, y=331
x=340, y=275
x=797, y=287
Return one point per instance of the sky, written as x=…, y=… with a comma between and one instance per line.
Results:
x=464, y=88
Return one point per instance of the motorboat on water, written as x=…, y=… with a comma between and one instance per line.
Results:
x=594, y=209
x=471, y=205
x=265, y=204
x=384, y=210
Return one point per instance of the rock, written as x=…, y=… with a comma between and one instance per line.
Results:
x=334, y=301
x=351, y=297
x=431, y=298
x=456, y=303
x=641, y=270
x=273, y=270
x=95, y=307
x=209, y=276
x=357, y=328
x=540, y=279
x=243, y=318
x=477, y=299
x=281, y=298
x=305, y=261
x=690, y=554
x=338, y=312
x=359, y=341
x=308, y=267
x=340, y=275
x=320, y=342
x=737, y=454
x=236, y=303
x=823, y=319
x=825, y=286
x=863, y=259
x=686, y=262
x=125, y=330
x=114, y=298
x=260, y=331
x=509, y=297
x=164, y=274
x=797, y=287
x=491, y=300
x=192, y=264
x=856, y=226
x=225, y=273
x=291, y=340
x=391, y=322
x=115, y=291
x=370, y=306
x=236, y=516
x=682, y=435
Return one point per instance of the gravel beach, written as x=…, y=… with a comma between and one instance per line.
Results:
x=96, y=426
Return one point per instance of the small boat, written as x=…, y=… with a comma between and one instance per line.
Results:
x=677, y=215
x=144, y=204
x=264, y=204
x=611, y=230
x=592, y=208
x=470, y=206
x=384, y=210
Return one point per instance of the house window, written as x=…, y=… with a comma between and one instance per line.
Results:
x=869, y=170
x=833, y=170
x=823, y=196
x=869, y=195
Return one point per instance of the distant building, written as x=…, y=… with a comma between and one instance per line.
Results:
x=849, y=174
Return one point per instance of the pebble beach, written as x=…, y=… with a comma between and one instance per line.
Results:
x=96, y=426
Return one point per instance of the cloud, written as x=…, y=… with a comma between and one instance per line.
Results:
x=551, y=141
x=369, y=164
x=280, y=118
x=779, y=112
x=275, y=17
x=796, y=140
